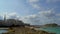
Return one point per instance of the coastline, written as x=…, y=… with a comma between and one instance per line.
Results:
x=25, y=30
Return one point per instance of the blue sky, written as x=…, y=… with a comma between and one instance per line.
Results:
x=32, y=11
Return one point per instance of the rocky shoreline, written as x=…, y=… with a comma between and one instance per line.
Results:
x=25, y=30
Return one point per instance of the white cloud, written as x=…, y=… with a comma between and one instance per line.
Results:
x=36, y=6
x=31, y=1
x=8, y=15
x=49, y=1
x=43, y=17
x=58, y=14
x=13, y=15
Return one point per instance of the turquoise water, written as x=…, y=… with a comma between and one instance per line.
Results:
x=3, y=31
x=51, y=29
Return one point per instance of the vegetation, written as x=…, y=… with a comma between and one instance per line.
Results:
x=51, y=25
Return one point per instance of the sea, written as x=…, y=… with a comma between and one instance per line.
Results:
x=48, y=29
x=3, y=31
x=51, y=29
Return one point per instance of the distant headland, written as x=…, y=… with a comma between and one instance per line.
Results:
x=51, y=25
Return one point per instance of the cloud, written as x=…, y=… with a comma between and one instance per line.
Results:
x=31, y=1
x=13, y=15
x=38, y=4
x=58, y=14
x=48, y=1
x=53, y=1
x=10, y=15
x=34, y=4
x=43, y=17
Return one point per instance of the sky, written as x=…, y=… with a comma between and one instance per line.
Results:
x=35, y=12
